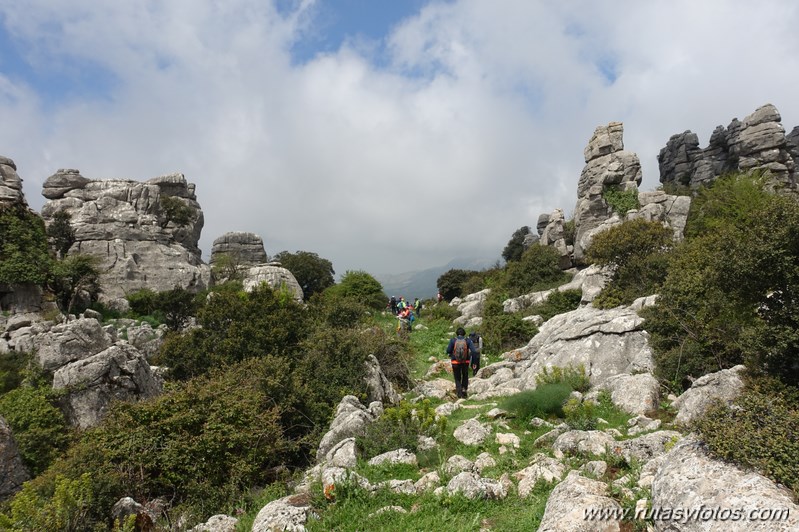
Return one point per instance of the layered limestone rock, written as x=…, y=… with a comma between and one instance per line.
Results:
x=144, y=234
x=241, y=248
x=757, y=142
x=690, y=480
x=118, y=373
x=274, y=275
x=607, y=164
x=10, y=183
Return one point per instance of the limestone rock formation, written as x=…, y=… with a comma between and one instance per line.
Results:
x=606, y=342
x=351, y=420
x=274, y=275
x=145, y=234
x=689, y=479
x=568, y=502
x=68, y=342
x=12, y=471
x=607, y=164
x=757, y=142
x=554, y=234
x=242, y=249
x=10, y=183
x=635, y=394
x=118, y=373
x=288, y=513
x=724, y=385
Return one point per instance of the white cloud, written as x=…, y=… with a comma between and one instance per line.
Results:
x=473, y=126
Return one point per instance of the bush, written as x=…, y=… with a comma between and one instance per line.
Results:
x=515, y=248
x=61, y=233
x=361, y=287
x=545, y=401
x=537, y=269
x=503, y=331
x=74, y=279
x=441, y=311
x=65, y=508
x=580, y=415
x=621, y=201
x=450, y=283
x=12, y=370
x=760, y=430
x=400, y=427
x=573, y=377
x=313, y=273
x=558, y=302
x=175, y=210
x=731, y=295
x=24, y=256
x=39, y=427
x=236, y=326
x=637, y=251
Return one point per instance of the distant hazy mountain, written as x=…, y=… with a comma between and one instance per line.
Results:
x=422, y=283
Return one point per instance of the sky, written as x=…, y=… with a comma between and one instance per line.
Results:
x=384, y=135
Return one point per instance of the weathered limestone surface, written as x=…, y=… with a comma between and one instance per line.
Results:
x=274, y=275
x=12, y=471
x=757, y=142
x=126, y=224
x=243, y=248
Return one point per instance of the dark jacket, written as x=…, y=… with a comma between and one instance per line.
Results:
x=473, y=358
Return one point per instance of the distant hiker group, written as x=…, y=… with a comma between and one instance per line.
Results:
x=405, y=312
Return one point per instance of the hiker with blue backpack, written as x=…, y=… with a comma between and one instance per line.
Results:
x=462, y=355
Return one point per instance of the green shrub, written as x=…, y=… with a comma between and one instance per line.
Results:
x=580, y=415
x=450, y=283
x=313, y=273
x=175, y=210
x=39, y=427
x=12, y=370
x=537, y=269
x=24, y=256
x=501, y=330
x=400, y=427
x=574, y=377
x=362, y=287
x=66, y=508
x=143, y=302
x=545, y=401
x=236, y=326
x=621, y=201
x=441, y=311
x=637, y=251
x=72, y=279
x=558, y=302
x=760, y=430
x=515, y=247
x=732, y=293
x=61, y=232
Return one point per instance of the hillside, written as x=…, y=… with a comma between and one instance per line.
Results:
x=638, y=371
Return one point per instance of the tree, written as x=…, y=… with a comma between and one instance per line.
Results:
x=74, y=278
x=61, y=232
x=313, y=273
x=450, y=283
x=537, y=269
x=362, y=287
x=24, y=256
x=515, y=247
x=176, y=211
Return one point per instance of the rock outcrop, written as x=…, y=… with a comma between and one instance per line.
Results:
x=10, y=183
x=12, y=471
x=757, y=142
x=274, y=275
x=144, y=234
x=689, y=480
x=242, y=249
x=724, y=385
x=607, y=164
x=571, y=499
x=118, y=373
